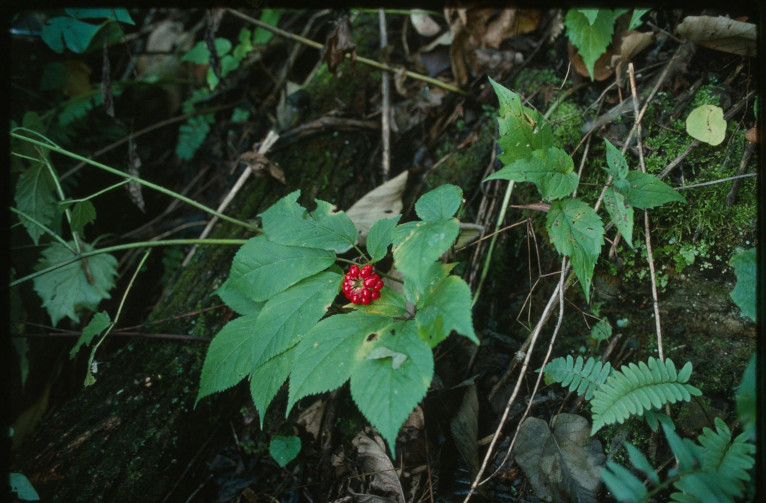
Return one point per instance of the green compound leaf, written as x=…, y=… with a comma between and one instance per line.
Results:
x=439, y=203
x=200, y=54
x=238, y=300
x=34, y=196
x=261, y=268
x=270, y=17
x=287, y=222
x=244, y=344
x=390, y=303
x=521, y=130
x=228, y=358
x=643, y=190
x=635, y=389
x=621, y=214
x=417, y=288
x=391, y=378
x=746, y=400
x=267, y=380
x=65, y=31
x=325, y=357
x=744, y=293
x=446, y=308
x=580, y=376
x=578, y=233
x=380, y=236
x=635, y=18
x=97, y=324
x=601, y=331
x=706, y=123
x=192, y=134
x=551, y=170
x=618, y=167
x=590, y=37
x=418, y=244
x=66, y=290
x=284, y=449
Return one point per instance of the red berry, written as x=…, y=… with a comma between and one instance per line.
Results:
x=353, y=271
x=356, y=299
x=366, y=271
x=366, y=300
x=371, y=281
x=378, y=285
x=349, y=277
x=374, y=295
x=365, y=294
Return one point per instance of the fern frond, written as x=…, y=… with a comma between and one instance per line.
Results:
x=581, y=376
x=634, y=389
x=192, y=134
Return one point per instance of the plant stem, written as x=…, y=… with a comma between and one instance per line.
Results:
x=55, y=148
x=44, y=228
x=128, y=246
x=361, y=59
x=488, y=258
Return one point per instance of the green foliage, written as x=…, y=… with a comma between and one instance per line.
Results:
x=22, y=487
x=581, y=376
x=192, y=134
x=71, y=32
x=746, y=400
x=713, y=470
x=284, y=282
x=284, y=449
x=68, y=289
x=35, y=197
x=590, y=30
x=706, y=123
x=97, y=324
x=634, y=389
x=744, y=293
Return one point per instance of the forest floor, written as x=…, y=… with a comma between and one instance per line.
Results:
x=441, y=127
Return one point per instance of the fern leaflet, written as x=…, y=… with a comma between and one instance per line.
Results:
x=579, y=375
x=634, y=389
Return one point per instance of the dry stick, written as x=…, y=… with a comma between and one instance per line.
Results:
x=266, y=144
x=361, y=59
x=647, y=228
x=562, y=277
x=559, y=290
x=385, y=83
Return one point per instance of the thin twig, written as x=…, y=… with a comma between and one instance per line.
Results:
x=647, y=228
x=385, y=85
x=270, y=139
x=361, y=59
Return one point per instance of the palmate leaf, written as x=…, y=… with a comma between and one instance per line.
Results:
x=34, y=196
x=244, y=344
x=637, y=388
x=416, y=245
x=287, y=222
x=389, y=366
x=581, y=376
x=441, y=202
x=578, y=233
x=262, y=268
x=551, y=170
x=446, y=308
x=67, y=290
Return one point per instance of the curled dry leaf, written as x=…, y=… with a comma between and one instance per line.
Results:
x=720, y=33
x=374, y=460
x=633, y=43
x=259, y=163
x=339, y=43
x=424, y=24
x=751, y=135
x=384, y=201
x=311, y=418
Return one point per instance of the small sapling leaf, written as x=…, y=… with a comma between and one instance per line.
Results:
x=284, y=449
x=706, y=123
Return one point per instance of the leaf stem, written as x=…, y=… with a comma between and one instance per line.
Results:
x=44, y=228
x=158, y=188
x=128, y=246
x=488, y=258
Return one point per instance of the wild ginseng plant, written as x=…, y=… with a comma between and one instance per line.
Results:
x=306, y=319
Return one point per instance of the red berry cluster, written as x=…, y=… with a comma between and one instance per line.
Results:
x=362, y=286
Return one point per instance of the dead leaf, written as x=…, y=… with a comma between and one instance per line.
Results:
x=259, y=163
x=602, y=68
x=76, y=78
x=464, y=426
x=311, y=418
x=424, y=24
x=720, y=33
x=339, y=43
x=633, y=43
x=384, y=201
x=498, y=29
x=563, y=464
x=375, y=461
x=751, y=135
